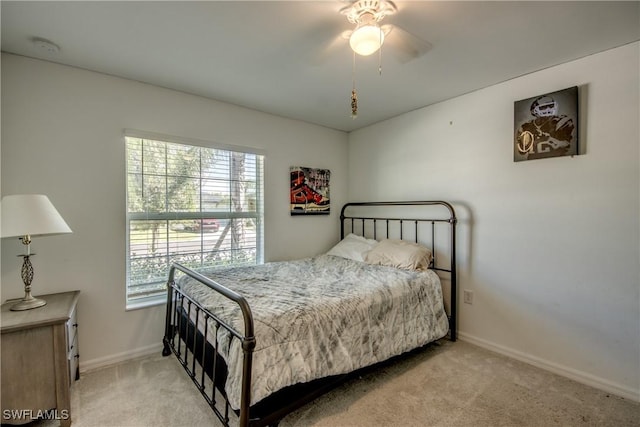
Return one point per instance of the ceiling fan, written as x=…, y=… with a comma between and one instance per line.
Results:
x=369, y=36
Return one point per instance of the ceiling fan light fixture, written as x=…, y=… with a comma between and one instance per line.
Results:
x=366, y=39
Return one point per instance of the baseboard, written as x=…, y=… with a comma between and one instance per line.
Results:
x=579, y=376
x=101, y=362
x=565, y=371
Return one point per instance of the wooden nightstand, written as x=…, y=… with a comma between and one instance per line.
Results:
x=39, y=360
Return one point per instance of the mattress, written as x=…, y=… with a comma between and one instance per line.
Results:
x=318, y=317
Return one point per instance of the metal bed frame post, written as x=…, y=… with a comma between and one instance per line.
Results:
x=453, y=322
x=168, y=329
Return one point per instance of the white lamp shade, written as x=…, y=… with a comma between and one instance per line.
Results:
x=366, y=39
x=30, y=214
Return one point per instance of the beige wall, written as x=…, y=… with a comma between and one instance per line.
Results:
x=549, y=247
x=62, y=135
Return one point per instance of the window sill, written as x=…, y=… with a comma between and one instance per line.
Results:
x=146, y=302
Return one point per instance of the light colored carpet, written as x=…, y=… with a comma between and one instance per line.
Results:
x=447, y=384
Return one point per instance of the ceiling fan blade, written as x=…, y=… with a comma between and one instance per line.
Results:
x=315, y=36
x=341, y=41
x=404, y=45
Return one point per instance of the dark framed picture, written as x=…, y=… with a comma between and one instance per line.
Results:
x=309, y=191
x=546, y=126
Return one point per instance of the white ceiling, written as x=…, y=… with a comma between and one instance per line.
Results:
x=287, y=57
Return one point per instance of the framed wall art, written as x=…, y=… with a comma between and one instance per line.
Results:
x=309, y=191
x=546, y=126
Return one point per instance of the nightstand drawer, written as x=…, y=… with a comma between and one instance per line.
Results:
x=73, y=357
x=73, y=348
x=72, y=329
x=73, y=361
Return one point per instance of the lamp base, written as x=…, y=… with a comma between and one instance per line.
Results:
x=27, y=303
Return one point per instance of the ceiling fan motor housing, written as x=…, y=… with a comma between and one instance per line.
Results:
x=369, y=9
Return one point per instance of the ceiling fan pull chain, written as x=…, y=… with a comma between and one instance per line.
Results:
x=354, y=95
x=380, y=56
x=354, y=104
x=380, y=61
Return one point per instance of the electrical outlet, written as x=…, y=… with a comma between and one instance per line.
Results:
x=467, y=296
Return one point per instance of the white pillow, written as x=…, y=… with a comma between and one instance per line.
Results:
x=353, y=247
x=400, y=254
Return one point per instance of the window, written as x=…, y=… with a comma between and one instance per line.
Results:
x=198, y=206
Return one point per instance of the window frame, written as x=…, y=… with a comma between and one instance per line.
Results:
x=256, y=215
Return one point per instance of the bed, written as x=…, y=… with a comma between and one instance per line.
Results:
x=261, y=341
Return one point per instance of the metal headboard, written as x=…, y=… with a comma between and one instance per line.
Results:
x=372, y=216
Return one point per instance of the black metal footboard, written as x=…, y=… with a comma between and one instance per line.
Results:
x=208, y=370
x=200, y=359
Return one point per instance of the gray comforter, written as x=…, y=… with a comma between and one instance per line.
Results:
x=321, y=316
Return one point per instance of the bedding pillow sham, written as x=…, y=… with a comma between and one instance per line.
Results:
x=400, y=254
x=353, y=247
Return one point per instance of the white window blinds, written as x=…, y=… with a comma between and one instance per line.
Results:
x=198, y=206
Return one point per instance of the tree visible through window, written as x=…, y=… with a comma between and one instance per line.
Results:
x=198, y=206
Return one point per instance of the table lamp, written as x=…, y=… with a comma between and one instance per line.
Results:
x=25, y=216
